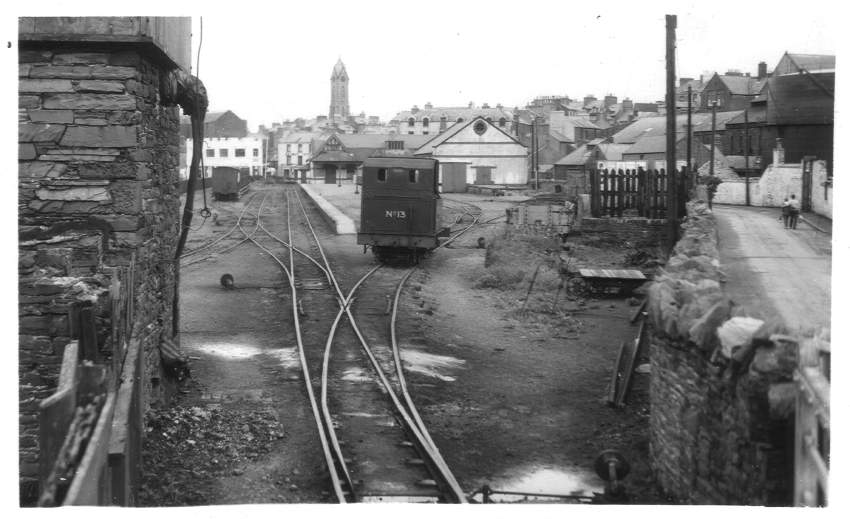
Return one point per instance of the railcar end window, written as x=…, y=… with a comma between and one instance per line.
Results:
x=413, y=175
x=382, y=175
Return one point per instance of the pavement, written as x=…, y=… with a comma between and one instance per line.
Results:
x=339, y=203
x=777, y=272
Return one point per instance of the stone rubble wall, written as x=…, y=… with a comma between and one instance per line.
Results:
x=637, y=231
x=721, y=391
x=97, y=173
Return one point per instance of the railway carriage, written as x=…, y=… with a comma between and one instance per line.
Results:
x=227, y=181
x=400, y=206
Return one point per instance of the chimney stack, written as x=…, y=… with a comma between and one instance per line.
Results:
x=589, y=99
x=429, y=106
x=610, y=100
x=762, y=70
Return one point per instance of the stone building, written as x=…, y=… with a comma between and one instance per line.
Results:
x=97, y=175
x=432, y=120
x=339, y=110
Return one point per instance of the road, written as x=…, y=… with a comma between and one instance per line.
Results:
x=773, y=271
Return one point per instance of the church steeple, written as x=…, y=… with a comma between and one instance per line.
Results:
x=339, y=71
x=339, y=93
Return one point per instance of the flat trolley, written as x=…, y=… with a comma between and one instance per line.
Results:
x=611, y=281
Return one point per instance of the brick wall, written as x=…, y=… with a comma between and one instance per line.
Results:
x=721, y=395
x=98, y=163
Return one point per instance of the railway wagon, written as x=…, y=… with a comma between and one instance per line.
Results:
x=227, y=181
x=400, y=206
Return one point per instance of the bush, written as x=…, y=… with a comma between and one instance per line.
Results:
x=500, y=278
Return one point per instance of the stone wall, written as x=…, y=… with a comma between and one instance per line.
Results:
x=721, y=390
x=98, y=166
x=637, y=231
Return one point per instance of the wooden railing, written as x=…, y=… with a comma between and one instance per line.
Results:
x=811, y=441
x=90, y=429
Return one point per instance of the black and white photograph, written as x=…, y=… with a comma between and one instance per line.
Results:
x=535, y=256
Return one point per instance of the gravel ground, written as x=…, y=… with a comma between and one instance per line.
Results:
x=513, y=398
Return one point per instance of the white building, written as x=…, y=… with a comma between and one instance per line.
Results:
x=241, y=153
x=294, y=151
x=477, y=152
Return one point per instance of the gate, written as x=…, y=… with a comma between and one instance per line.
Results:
x=811, y=431
x=635, y=192
x=453, y=177
x=806, y=195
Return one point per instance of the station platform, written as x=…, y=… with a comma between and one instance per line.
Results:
x=339, y=204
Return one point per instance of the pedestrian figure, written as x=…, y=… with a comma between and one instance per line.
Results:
x=786, y=212
x=794, y=211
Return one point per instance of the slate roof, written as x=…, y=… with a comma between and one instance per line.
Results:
x=809, y=62
x=452, y=113
x=721, y=120
x=580, y=156
x=742, y=85
x=558, y=136
x=650, y=144
x=656, y=125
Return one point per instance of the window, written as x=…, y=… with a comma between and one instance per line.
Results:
x=413, y=176
x=256, y=152
x=424, y=132
x=460, y=119
x=502, y=122
x=382, y=175
x=300, y=160
x=288, y=160
x=480, y=127
x=240, y=152
x=426, y=122
x=395, y=145
x=222, y=153
x=410, y=132
x=210, y=153
x=299, y=148
x=411, y=122
x=288, y=148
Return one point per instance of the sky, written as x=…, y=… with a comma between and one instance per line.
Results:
x=272, y=65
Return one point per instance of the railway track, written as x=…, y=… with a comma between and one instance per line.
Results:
x=374, y=442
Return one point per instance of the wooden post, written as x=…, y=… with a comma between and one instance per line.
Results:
x=88, y=334
x=672, y=205
x=621, y=192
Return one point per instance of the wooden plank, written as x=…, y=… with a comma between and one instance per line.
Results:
x=89, y=487
x=126, y=429
x=613, y=385
x=56, y=411
x=611, y=274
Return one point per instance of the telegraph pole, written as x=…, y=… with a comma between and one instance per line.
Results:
x=690, y=145
x=747, y=153
x=713, y=130
x=672, y=184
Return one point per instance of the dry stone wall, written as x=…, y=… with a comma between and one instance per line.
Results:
x=721, y=389
x=98, y=173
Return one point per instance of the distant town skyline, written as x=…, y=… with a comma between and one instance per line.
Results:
x=451, y=54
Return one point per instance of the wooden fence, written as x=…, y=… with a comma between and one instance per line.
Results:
x=635, y=192
x=811, y=431
x=90, y=429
